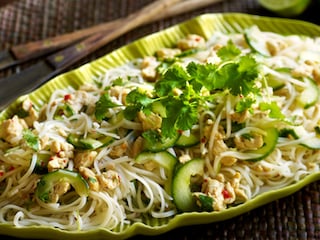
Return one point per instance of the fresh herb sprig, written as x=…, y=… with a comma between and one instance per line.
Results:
x=180, y=89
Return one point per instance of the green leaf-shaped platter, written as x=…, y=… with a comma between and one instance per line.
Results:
x=204, y=25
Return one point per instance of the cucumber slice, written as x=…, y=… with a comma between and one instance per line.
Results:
x=161, y=145
x=88, y=143
x=275, y=82
x=270, y=142
x=256, y=41
x=311, y=142
x=42, y=163
x=48, y=181
x=164, y=159
x=188, y=141
x=310, y=95
x=181, y=191
x=277, y=79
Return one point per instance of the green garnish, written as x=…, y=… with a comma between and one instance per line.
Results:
x=31, y=139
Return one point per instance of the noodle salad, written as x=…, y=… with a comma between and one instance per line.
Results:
x=203, y=126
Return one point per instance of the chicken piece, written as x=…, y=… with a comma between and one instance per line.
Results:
x=33, y=115
x=58, y=190
x=191, y=41
x=56, y=162
x=151, y=121
x=109, y=180
x=84, y=159
x=88, y=87
x=11, y=130
x=219, y=146
x=251, y=142
x=239, y=117
x=275, y=46
x=235, y=183
x=316, y=74
x=119, y=150
x=137, y=146
x=62, y=149
x=228, y=161
x=90, y=177
x=148, y=68
x=167, y=53
x=80, y=99
x=119, y=92
x=222, y=193
x=315, y=69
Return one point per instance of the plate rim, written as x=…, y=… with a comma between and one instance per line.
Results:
x=179, y=220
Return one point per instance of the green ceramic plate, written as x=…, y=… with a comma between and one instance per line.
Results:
x=204, y=25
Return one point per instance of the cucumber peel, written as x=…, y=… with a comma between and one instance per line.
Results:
x=181, y=191
x=270, y=142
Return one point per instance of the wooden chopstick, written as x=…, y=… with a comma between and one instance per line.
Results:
x=38, y=48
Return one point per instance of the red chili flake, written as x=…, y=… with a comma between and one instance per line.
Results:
x=67, y=97
x=1, y=174
x=225, y=193
x=203, y=140
x=180, y=131
x=197, y=39
x=11, y=168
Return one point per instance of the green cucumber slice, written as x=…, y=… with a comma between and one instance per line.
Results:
x=256, y=41
x=48, y=181
x=270, y=142
x=311, y=142
x=181, y=191
x=160, y=145
x=310, y=95
x=188, y=141
x=88, y=143
x=164, y=159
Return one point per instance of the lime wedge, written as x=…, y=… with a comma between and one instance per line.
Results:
x=285, y=8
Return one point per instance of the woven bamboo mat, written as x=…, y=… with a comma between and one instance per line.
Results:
x=293, y=217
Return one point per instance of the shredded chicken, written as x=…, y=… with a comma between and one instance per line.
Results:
x=11, y=130
x=84, y=159
x=191, y=41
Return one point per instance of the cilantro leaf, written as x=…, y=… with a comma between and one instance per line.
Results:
x=239, y=76
x=205, y=74
x=206, y=202
x=31, y=139
x=137, y=100
x=175, y=77
x=138, y=97
x=273, y=108
x=248, y=68
x=102, y=105
x=244, y=104
x=228, y=52
x=181, y=115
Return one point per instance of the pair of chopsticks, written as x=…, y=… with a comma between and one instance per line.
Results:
x=91, y=39
x=24, y=52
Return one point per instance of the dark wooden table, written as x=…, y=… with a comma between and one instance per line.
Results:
x=293, y=217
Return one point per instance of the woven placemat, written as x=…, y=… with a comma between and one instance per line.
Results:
x=293, y=217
